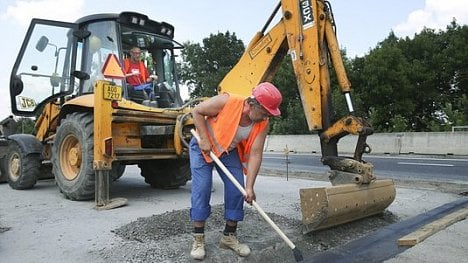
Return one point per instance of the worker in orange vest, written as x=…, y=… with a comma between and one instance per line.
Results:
x=234, y=128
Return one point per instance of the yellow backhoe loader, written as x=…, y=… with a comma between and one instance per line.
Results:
x=306, y=33
x=89, y=122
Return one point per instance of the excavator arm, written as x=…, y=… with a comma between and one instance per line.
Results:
x=306, y=33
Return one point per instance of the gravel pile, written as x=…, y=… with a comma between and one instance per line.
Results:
x=167, y=238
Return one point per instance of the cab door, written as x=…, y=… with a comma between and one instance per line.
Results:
x=43, y=69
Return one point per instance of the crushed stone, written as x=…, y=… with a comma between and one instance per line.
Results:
x=167, y=238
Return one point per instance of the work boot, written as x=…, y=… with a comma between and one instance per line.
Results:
x=198, y=247
x=231, y=241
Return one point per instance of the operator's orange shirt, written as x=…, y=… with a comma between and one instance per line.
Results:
x=139, y=68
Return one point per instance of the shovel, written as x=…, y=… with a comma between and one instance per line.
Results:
x=296, y=252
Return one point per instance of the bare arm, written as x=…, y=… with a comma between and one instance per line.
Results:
x=131, y=74
x=208, y=108
x=253, y=165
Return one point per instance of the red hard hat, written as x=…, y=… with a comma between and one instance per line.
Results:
x=269, y=97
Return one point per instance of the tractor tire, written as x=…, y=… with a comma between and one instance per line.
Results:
x=21, y=169
x=3, y=177
x=46, y=172
x=166, y=174
x=72, y=156
x=117, y=171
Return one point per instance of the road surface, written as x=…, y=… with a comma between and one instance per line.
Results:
x=452, y=170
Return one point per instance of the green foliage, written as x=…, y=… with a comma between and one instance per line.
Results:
x=403, y=84
x=386, y=91
x=415, y=84
x=25, y=125
x=399, y=123
x=292, y=120
x=338, y=101
x=204, y=66
x=293, y=123
x=456, y=114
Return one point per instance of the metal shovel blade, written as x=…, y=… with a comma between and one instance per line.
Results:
x=330, y=206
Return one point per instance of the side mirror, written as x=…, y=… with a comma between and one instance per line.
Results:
x=42, y=43
x=80, y=75
x=55, y=80
x=16, y=86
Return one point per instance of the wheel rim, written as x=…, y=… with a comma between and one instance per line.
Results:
x=70, y=157
x=14, y=167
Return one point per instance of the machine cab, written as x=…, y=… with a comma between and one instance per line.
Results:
x=59, y=60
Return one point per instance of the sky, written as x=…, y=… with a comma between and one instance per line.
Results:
x=361, y=24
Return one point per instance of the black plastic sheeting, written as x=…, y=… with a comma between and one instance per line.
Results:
x=382, y=244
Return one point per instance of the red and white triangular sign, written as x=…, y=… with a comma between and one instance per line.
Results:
x=111, y=68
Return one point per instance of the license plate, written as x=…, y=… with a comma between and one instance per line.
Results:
x=112, y=92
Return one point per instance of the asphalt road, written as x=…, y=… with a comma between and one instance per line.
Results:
x=427, y=168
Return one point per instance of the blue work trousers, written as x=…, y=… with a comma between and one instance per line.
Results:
x=202, y=181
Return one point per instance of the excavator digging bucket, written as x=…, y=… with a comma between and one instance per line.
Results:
x=330, y=206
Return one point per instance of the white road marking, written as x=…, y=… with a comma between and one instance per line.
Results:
x=428, y=164
x=366, y=157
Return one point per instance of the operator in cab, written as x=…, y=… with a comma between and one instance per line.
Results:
x=234, y=128
x=135, y=70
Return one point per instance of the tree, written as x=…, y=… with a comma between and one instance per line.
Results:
x=204, y=66
x=25, y=125
x=417, y=84
x=292, y=120
x=429, y=76
x=384, y=89
x=338, y=101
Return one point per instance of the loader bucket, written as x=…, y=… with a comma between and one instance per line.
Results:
x=330, y=206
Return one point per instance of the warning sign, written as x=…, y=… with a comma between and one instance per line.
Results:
x=112, y=69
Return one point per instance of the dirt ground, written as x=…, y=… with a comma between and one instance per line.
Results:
x=166, y=237
x=39, y=225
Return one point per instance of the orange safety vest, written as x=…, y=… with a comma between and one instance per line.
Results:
x=222, y=129
x=143, y=71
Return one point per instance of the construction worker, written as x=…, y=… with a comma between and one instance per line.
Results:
x=234, y=128
x=135, y=70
